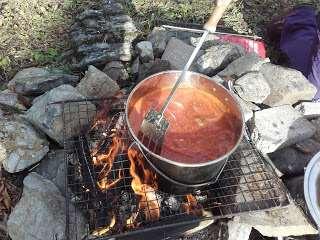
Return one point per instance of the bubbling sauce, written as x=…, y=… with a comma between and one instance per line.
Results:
x=201, y=127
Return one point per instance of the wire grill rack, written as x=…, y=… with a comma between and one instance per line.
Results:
x=246, y=184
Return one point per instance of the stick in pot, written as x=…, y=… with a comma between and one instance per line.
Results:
x=155, y=125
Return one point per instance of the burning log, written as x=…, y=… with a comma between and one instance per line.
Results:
x=103, y=231
x=105, y=161
x=144, y=186
x=192, y=207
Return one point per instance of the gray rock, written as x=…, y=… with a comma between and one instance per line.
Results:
x=238, y=231
x=36, y=81
x=252, y=87
x=295, y=187
x=218, y=80
x=108, y=39
x=279, y=127
x=21, y=145
x=290, y=161
x=96, y=84
x=48, y=117
x=145, y=51
x=14, y=100
x=210, y=41
x=247, y=108
x=90, y=13
x=100, y=53
x=117, y=72
x=41, y=213
x=217, y=57
x=309, y=109
x=114, y=29
x=177, y=53
x=90, y=23
x=148, y=69
x=287, y=221
x=250, y=62
x=309, y=146
x=135, y=66
x=288, y=86
x=316, y=123
x=159, y=38
x=112, y=7
x=53, y=167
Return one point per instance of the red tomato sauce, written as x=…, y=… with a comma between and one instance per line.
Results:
x=201, y=128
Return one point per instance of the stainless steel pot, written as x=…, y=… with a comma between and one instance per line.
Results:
x=189, y=174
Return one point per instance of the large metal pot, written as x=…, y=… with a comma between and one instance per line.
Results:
x=186, y=173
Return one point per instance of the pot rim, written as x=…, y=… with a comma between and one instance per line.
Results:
x=190, y=165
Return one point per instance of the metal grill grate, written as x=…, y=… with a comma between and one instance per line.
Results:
x=246, y=184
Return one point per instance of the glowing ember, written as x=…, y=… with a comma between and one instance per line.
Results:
x=192, y=206
x=144, y=181
x=105, y=160
x=144, y=186
x=106, y=184
x=105, y=230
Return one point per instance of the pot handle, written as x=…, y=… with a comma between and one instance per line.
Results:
x=170, y=179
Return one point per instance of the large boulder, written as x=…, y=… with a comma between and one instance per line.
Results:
x=148, y=69
x=248, y=108
x=279, y=127
x=53, y=167
x=288, y=86
x=252, y=87
x=135, y=67
x=291, y=161
x=48, y=117
x=103, y=37
x=159, y=38
x=316, y=123
x=284, y=222
x=250, y=62
x=145, y=51
x=117, y=72
x=210, y=41
x=100, y=53
x=14, y=100
x=217, y=57
x=309, y=109
x=21, y=145
x=238, y=231
x=41, y=213
x=177, y=53
x=36, y=81
x=96, y=84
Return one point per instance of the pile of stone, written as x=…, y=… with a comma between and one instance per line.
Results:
x=283, y=124
x=104, y=35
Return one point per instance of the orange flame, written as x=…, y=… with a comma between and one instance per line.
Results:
x=192, y=206
x=105, y=230
x=144, y=187
x=106, y=160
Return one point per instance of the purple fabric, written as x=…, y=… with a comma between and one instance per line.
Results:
x=314, y=76
x=300, y=42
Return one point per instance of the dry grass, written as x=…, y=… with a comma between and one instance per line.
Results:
x=243, y=16
x=34, y=32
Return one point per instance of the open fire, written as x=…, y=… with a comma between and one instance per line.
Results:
x=115, y=189
x=144, y=181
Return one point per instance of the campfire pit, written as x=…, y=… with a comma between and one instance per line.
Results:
x=111, y=184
